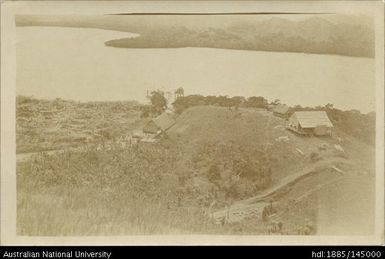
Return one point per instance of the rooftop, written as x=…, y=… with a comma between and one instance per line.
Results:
x=164, y=121
x=311, y=119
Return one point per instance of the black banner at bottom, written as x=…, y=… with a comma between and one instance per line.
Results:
x=108, y=252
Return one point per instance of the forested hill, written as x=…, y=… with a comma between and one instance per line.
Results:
x=327, y=34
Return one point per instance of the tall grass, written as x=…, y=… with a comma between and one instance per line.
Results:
x=115, y=192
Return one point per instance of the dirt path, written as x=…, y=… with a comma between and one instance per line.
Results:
x=108, y=145
x=26, y=156
x=254, y=205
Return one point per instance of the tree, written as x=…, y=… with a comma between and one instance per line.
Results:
x=297, y=108
x=193, y=100
x=158, y=101
x=236, y=101
x=211, y=100
x=145, y=112
x=222, y=100
x=179, y=93
x=180, y=104
x=256, y=102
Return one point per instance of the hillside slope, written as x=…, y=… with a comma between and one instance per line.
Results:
x=305, y=171
x=259, y=129
x=240, y=168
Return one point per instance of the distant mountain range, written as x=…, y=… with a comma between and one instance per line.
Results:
x=329, y=34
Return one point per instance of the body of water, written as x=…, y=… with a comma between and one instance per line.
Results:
x=74, y=63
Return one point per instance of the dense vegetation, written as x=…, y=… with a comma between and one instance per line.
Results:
x=58, y=124
x=236, y=171
x=254, y=37
x=185, y=102
x=139, y=189
x=119, y=191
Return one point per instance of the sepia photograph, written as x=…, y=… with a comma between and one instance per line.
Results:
x=214, y=123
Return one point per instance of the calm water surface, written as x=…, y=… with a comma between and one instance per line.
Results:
x=74, y=63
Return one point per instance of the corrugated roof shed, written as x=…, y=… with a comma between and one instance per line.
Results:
x=281, y=109
x=312, y=119
x=164, y=121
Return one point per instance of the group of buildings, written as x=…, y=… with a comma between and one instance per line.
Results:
x=301, y=122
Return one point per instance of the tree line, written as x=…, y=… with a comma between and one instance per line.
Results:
x=183, y=103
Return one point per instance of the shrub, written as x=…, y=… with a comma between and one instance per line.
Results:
x=145, y=113
x=240, y=189
x=314, y=156
x=213, y=174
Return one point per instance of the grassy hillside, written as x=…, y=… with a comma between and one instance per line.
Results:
x=211, y=158
x=352, y=122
